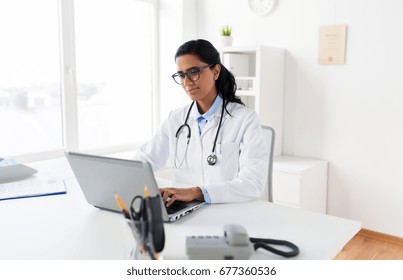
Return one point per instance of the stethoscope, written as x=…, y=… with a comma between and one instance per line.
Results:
x=212, y=158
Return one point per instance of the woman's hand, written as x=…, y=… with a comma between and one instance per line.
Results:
x=170, y=195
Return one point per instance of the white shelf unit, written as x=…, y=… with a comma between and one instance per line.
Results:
x=300, y=182
x=259, y=73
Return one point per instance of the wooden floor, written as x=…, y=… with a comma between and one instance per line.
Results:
x=371, y=245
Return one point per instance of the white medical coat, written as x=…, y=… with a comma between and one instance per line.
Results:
x=240, y=173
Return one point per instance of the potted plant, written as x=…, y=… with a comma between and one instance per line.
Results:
x=226, y=36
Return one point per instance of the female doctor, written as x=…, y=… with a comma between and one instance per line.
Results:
x=215, y=143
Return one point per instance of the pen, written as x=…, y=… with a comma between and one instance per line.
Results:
x=122, y=206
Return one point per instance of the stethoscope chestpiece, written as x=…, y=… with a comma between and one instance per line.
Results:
x=212, y=159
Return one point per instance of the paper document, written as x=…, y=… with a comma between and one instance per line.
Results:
x=39, y=185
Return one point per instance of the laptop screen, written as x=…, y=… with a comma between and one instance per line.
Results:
x=101, y=177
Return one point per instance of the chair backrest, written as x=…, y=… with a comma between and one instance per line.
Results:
x=269, y=136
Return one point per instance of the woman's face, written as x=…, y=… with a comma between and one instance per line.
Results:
x=203, y=90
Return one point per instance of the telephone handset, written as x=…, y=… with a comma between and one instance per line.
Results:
x=234, y=245
x=236, y=235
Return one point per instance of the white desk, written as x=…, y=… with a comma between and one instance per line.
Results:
x=66, y=227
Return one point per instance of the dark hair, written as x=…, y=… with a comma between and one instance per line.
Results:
x=206, y=52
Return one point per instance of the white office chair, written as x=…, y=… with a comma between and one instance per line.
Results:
x=269, y=135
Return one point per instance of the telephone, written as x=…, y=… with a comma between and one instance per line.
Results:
x=234, y=245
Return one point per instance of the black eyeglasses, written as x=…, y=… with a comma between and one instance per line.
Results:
x=193, y=74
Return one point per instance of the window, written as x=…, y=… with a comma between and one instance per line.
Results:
x=114, y=71
x=112, y=56
x=30, y=96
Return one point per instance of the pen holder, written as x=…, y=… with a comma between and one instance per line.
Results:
x=147, y=227
x=138, y=251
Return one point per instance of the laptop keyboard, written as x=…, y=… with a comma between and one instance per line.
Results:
x=177, y=206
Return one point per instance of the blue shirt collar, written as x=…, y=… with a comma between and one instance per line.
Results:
x=211, y=112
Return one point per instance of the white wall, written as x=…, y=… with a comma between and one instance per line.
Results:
x=350, y=115
x=177, y=24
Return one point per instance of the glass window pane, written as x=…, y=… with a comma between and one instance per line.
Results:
x=30, y=96
x=114, y=81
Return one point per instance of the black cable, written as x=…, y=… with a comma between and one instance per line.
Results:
x=263, y=243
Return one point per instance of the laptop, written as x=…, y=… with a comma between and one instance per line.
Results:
x=101, y=177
